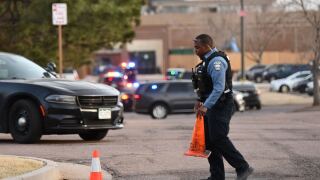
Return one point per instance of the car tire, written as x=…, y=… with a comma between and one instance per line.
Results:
x=258, y=106
x=25, y=122
x=94, y=135
x=258, y=79
x=159, y=111
x=284, y=89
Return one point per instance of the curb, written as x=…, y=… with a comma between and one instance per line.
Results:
x=78, y=171
x=49, y=171
x=56, y=171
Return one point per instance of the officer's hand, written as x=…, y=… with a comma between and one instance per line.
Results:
x=202, y=110
x=197, y=105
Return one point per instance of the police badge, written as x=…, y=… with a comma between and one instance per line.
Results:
x=217, y=65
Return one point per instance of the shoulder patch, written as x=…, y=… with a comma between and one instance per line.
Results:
x=217, y=65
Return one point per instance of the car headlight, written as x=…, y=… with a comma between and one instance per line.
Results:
x=119, y=97
x=64, y=99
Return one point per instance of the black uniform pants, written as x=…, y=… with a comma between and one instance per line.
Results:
x=217, y=121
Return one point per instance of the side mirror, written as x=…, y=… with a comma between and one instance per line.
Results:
x=51, y=66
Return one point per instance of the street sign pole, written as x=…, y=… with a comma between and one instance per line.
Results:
x=59, y=18
x=60, y=50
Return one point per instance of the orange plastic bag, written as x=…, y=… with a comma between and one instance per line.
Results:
x=197, y=146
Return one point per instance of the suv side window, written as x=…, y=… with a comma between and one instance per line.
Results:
x=179, y=87
x=287, y=68
x=302, y=75
x=273, y=69
x=4, y=72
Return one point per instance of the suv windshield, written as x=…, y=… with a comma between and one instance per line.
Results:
x=18, y=67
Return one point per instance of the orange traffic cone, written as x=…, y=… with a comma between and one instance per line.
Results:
x=197, y=146
x=96, y=173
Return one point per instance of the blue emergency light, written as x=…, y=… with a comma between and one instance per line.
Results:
x=154, y=87
x=131, y=65
x=136, y=85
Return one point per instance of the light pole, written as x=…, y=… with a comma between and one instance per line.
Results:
x=242, y=14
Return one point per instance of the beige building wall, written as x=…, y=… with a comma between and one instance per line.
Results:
x=155, y=45
x=189, y=61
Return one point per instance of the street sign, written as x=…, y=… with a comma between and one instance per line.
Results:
x=59, y=14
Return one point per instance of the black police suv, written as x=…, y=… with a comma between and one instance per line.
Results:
x=167, y=97
x=33, y=102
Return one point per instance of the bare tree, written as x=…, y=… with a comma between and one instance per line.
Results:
x=226, y=25
x=264, y=28
x=313, y=17
x=9, y=9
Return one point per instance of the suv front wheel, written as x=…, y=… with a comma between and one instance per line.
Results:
x=159, y=111
x=25, y=122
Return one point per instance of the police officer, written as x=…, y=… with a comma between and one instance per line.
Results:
x=213, y=82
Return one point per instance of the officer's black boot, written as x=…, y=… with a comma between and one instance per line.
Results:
x=244, y=174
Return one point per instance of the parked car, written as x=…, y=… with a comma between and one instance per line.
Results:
x=257, y=66
x=257, y=74
x=33, y=102
x=286, y=84
x=279, y=71
x=302, y=85
x=309, y=88
x=253, y=73
x=165, y=97
x=250, y=93
x=239, y=103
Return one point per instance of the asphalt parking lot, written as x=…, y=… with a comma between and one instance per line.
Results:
x=279, y=142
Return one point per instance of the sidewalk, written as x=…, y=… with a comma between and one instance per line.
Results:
x=77, y=171
x=57, y=171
